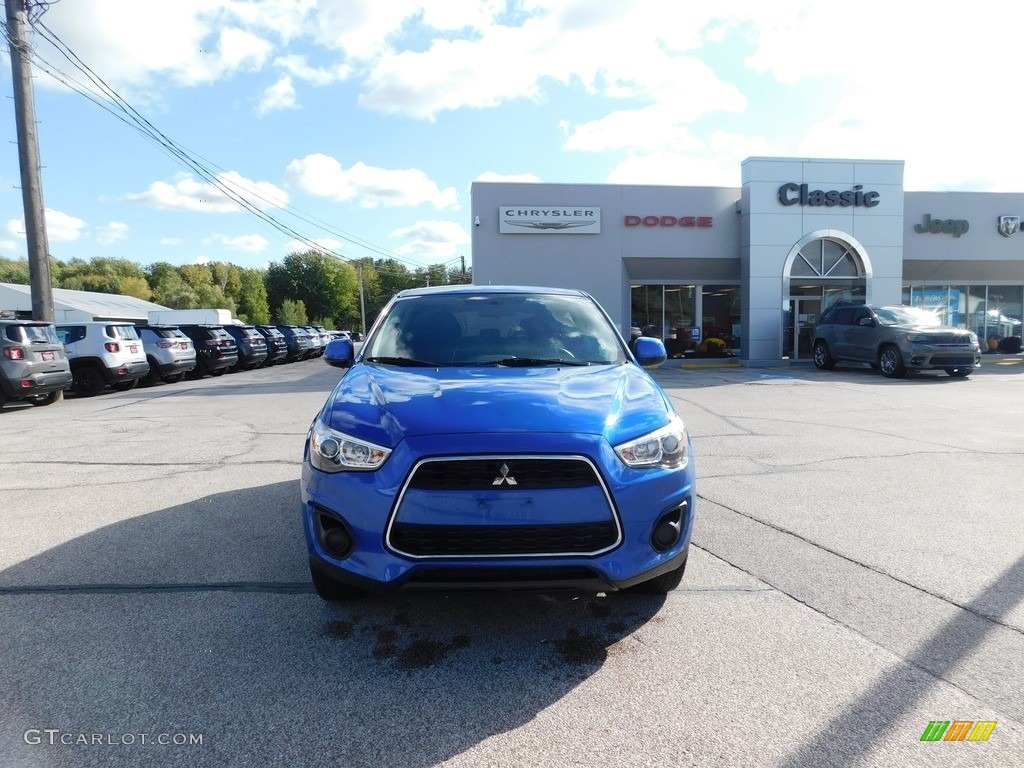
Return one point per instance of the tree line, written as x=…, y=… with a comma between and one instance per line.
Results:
x=308, y=287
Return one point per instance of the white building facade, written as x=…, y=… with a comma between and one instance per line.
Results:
x=755, y=266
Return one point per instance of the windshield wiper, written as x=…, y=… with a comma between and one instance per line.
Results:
x=407, y=361
x=528, y=361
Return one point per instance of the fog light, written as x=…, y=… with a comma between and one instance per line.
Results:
x=666, y=533
x=334, y=535
x=337, y=541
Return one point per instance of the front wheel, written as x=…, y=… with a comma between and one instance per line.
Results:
x=332, y=590
x=660, y=585
x=823, y=360
x=890, y=360
x=959, y=373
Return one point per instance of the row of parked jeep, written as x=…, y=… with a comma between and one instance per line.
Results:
x=38, y=360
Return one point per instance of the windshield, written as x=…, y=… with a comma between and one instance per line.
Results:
x=906, y=316
x=495, y=328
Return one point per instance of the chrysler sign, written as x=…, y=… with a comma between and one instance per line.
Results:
x=549, y=219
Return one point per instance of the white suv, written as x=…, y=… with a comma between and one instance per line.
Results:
x=101, y=353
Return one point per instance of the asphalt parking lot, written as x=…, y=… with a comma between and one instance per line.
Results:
x=857, y=572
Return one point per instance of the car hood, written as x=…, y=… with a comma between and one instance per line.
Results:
x=383, y=404
x=943, y=331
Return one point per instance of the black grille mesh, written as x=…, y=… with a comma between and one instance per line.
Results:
x=441, y=540
x=480, y=474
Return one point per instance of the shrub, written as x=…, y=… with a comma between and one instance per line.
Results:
x=715, y=345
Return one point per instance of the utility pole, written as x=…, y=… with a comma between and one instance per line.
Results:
x=40, y=281
x=362, y=303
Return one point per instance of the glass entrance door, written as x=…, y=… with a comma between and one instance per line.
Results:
x=804, y=314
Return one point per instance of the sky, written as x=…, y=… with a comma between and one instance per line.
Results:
x=358, y=126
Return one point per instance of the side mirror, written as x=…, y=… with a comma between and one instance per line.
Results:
x=649, y=352
x=340, y=353
x=867, y=322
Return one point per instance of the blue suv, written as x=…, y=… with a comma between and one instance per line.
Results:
x=496, y=437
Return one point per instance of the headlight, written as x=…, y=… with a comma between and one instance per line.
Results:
x=917, y=338
x=333, y=451
x=665, y=447
x=974, y=338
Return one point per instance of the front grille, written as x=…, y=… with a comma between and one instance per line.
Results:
x=484, y=540
x=524, y=474
x=548, y=575
x=946, y=340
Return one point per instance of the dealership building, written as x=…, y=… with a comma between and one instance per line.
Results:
x=754, y=266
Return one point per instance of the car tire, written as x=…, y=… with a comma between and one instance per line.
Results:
x=48, y=399
x=124, y=386
x=153, y=376
x=890, y=361
x=823, y=360
x=660, y=585
x=959, y=373
x=88, y=381
x=332, y=590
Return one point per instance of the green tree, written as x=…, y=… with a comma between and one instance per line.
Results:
x=253, y=305
x=326, y=285
x=14, y=271
x=292, y=313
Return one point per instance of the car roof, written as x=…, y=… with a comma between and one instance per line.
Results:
x=477, y=289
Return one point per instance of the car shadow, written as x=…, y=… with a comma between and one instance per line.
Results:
x=200, y=618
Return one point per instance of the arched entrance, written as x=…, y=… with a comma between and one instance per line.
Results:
x=825, y=267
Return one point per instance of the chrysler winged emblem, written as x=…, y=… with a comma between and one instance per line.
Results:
x=504, y=477
x=1008, y=225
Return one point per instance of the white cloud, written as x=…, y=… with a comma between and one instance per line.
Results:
x=111, y=233
x=9, y=245
x=370, y=187
x=247, y=243
x=280, y=95
x=188, y=194
x=297, y=66
x=60, y=227
x=434, y=240
x=202, y=260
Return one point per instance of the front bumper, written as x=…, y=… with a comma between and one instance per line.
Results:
x=925, y=356
x=368, y=503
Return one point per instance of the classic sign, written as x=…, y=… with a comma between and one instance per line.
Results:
x=801, y=194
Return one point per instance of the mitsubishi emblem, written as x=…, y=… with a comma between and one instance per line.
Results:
x=504, y=477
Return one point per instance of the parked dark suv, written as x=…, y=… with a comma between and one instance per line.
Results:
x=33, y=364
x=252, y=346
x=894, y=339
x=300, y=346
x=277, y=347
x=216, y=351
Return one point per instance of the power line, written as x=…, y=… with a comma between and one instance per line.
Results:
x=234, y=191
